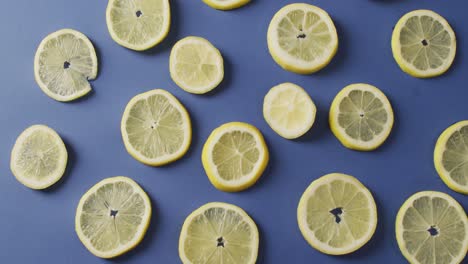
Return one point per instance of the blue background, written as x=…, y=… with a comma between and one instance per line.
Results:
x=38, y=226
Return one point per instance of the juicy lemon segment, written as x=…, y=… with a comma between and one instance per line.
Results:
x=39, y=157
x=226, y=4
x=235, y=156
x=156, y=128
x=64, y=63
x=196, y=65
x=423, y=44
x=302, y=38
x=361, y=117
x=288, y=110
x=337, y=214
x=451, y=157
x=431, y=227
x=138, y=24
x=112, y=217
x=218, y=233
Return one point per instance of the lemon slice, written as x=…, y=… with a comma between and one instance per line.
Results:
x=337, y=214
x=138, y=25
x=423, y=44
x=226, y=4
x=431, y=227
x=156, y=128
x=196, y=65
x=302, y=38
x=218, y=233
x=288, y=110
x=234, y=156
x=112, y=217
x=361, y=117
x=39, y=157
x=451, y=157
x=65, y=61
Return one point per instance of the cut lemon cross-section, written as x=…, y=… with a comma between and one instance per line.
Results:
x=39, y=157
x=337, y=214
x=361, y=117
x=138, y=24
x=451, y=157
x=65, y=61
x=302, y=38
x=423, y=44
x=226, y=4
x=218, y=233
x=234, y=156
x=196, y=65
x=432, y=228
x=112, y=217
x=288, y=110
x=156, y=128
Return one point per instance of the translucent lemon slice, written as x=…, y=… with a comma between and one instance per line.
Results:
x=226, y=4
x=218, y=233
x=138, y=24
x=431, y=227
x=235, y=156
x=451, y=157
x=423, y=44
x=112, y=217
x=302, y=38
x=337, y=214
x=156, y=128
x=361, y=117
x=65, y=61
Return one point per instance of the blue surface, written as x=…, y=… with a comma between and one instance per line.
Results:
x=38, y=226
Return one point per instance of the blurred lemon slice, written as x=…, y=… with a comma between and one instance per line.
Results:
x=226, y=4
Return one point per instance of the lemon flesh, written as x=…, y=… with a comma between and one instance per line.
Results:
x=361, y=117
x=112, y=217
x=138, y=24
x=218, y=233
x=337, y=214
x=39, y=157
x=423, y=44
x=64, y=63
x=226, y=4
x=156, y=128
x=289, y=110
x=451, y=157
x=196, y=65
x=302, y=38
x=431, y=227
x=235, y=156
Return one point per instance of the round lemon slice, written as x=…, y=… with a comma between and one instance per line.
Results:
x=196, y=65
x=65, y=61
x=302, y=38
x=39, y=157
x=218, y=233
x=361, y=117
x=431, y=227
x=289, y=111
x=451, y=157
x=235, y=156
x=112, y=217
x=156, y=128
x=138, y=25
x=337, y=214
x=226, y=4
x=423, y=44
